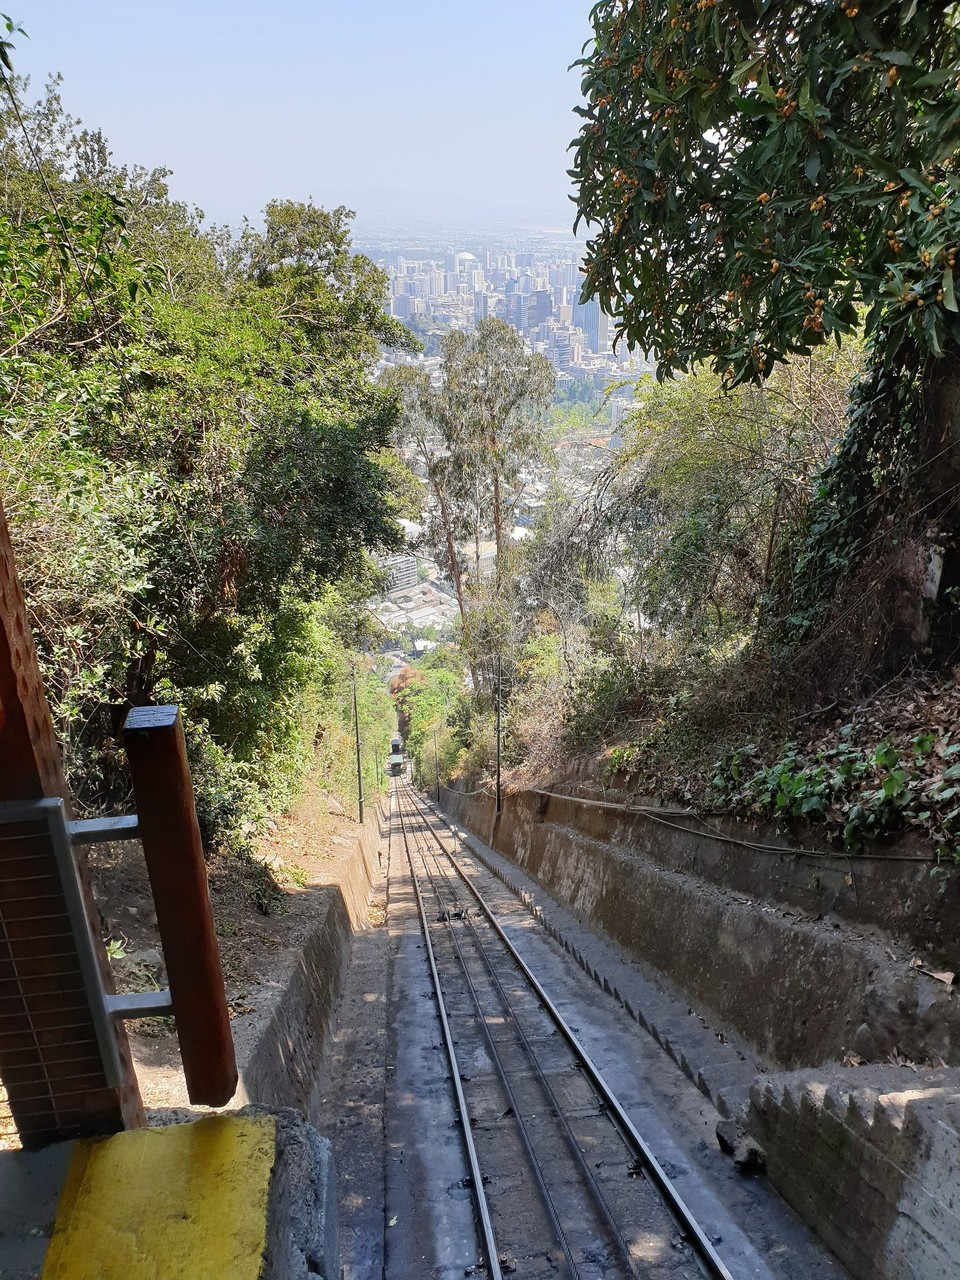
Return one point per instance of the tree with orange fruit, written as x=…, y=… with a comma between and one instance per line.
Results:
x=760, y=176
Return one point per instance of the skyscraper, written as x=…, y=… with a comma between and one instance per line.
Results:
x=594, y=323
x=541, y=307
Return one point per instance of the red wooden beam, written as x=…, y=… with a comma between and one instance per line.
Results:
x=39, y=975
x=167, y=825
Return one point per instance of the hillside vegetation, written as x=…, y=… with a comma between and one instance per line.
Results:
x=196, y=467
x=755, y=609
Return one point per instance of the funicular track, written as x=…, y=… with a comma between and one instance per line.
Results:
x=559, y=1173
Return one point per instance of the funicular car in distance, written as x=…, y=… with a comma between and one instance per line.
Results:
x=396, y=759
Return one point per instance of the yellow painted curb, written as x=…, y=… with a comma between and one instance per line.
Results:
x=188, y=1202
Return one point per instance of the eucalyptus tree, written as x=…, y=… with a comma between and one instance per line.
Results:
x=425, y=427
x=760, y=176
x=473, y=433
x=497, y=391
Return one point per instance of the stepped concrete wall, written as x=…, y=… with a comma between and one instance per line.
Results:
x=872, y=1157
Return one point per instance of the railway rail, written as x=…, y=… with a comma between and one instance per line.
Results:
x=560, y=1175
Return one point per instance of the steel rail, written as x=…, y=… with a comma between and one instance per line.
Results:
x=497, y=1060
x=588, y=1175
x=479, y=1195
x=707, y=1256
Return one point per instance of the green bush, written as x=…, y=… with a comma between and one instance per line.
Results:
x=861, y=793
x=603, y=693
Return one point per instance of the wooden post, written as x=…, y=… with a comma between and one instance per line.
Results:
x=167, y=825
x=50, y=1063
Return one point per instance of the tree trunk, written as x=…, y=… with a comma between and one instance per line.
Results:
x=497, y=518
x=455, y=574
x=451, y=547
x=772, y=540
x=923, y=561
x=940, y=438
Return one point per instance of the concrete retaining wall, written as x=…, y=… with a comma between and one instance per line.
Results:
x=279, y=1067
x=783, y=952
x=302, y=1236
x=871, y=1157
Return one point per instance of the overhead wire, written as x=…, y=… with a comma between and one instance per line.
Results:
x=790, y=851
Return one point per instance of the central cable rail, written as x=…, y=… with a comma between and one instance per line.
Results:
x=446, y=912
x=476, y=1175
x=709, y=1260
x=573, y=1145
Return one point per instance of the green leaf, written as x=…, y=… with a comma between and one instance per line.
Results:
x=744, y=69
x=949, y=296
x=935, y=78
x=931, y=331
x=894, y=784
x=914, y=179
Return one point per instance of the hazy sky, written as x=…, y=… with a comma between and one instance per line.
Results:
x=415, y=107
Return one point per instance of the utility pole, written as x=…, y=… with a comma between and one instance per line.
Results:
x=436, y=761
x=356, y=728
x=499, y=698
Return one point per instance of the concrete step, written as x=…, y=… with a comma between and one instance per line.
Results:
x=251, y=1194
x=871, y=1157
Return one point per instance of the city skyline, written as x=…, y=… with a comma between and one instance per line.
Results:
x=535, y=287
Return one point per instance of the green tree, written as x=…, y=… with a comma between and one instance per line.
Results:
x=426, y=429
x=710, y=488
x=755, y=170
x=497, y=391
x=759, y=175
x=429, y=696
x=196, y=462
x=471, y=437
